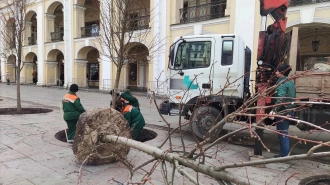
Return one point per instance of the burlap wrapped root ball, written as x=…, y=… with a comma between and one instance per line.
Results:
x=90, y=127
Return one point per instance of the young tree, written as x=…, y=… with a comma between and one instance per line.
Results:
x=124, y=25
x=12, y=19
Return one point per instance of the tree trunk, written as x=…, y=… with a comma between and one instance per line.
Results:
x=18, y=92
x=114, y=95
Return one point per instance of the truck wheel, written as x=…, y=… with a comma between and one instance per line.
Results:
x=203, y=119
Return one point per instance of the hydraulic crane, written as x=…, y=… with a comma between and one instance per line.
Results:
x=268, y=57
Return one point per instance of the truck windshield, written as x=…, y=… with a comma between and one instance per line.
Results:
x=191, y=55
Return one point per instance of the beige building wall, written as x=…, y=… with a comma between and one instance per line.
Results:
x=167, y=23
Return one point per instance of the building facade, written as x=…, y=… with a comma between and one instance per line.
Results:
x=59, y=42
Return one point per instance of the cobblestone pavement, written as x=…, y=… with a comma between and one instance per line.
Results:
x=30, y=154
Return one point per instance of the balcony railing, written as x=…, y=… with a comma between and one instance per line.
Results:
x=138, y=23
x=90, y=31
x=56, y=36
x=305, y=2
x=203, y=12
x=32, y=40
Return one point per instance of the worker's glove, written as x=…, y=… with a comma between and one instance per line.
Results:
x=271, y=113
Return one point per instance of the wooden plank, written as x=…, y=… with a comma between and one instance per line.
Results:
x=294, y=50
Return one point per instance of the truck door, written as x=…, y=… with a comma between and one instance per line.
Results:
x=191, y=71
x=228, y=75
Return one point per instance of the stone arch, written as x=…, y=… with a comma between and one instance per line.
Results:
x=137, y=66
x=51, y=9
x=11, y=64
x=29, y=15
x=88, y=66
x=31, y=57
x=55, y=68
x=11, y=59
x=306, y=34
x=52, y=55
x=82, y=53
x=31, y=28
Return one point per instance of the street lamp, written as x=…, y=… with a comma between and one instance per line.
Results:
x=315, y=43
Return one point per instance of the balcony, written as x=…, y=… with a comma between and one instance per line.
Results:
x=138, y=19
x=90, y=31
x=32, y=40
x=203, y=12
x=305, y=2
x=56, y=36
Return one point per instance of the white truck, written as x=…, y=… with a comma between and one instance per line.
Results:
x=204, y=64
x=218, y=67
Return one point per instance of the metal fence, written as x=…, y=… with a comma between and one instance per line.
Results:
x=90, y=31
x=56, y=36
x=32, y=40
x=108, y=85
x=305, y=2
x=203, y=12
x=159, y=87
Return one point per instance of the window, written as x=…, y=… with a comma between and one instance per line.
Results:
x=93, y=71
x=315, y=63
x=227, y=53
x=192, y=55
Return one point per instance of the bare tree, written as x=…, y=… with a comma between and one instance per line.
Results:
x=13, y=23
x=124, y=24
x=185, y=156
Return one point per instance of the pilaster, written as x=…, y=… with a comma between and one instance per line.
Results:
x=79, y=17
x=40, y=42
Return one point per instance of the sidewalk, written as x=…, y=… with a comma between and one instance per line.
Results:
x=30, y=154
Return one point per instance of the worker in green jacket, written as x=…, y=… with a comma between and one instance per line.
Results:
x=285, y=93
x=128, y=98
x=72, y=109
x=133, y=117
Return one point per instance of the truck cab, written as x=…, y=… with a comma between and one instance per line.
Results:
x=215, y=67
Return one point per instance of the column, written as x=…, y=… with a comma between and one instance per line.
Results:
x=80, y=71
x=79, y=17
x=40, y=42
x=51, y=71
x=3, y=70
x=160, y=42
x=68, y=41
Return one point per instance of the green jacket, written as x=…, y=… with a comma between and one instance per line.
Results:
x=133, y=117
x=72, y=107
x=131, y=99
x=284, y=92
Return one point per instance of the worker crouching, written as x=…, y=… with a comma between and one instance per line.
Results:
x=133, y=117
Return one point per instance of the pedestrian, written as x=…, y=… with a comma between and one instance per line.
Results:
x=133, y=116
x=285, y=92
x=72, y=109
x=61, y=79
x=8, y=78
x=35, y=77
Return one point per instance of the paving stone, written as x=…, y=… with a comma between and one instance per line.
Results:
x=10, y=155
x=62, y=153
x=51, y=179
x=278, y=166
x=42, y=157
x=324, y=166
x=258, y=174
x=24, y=182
